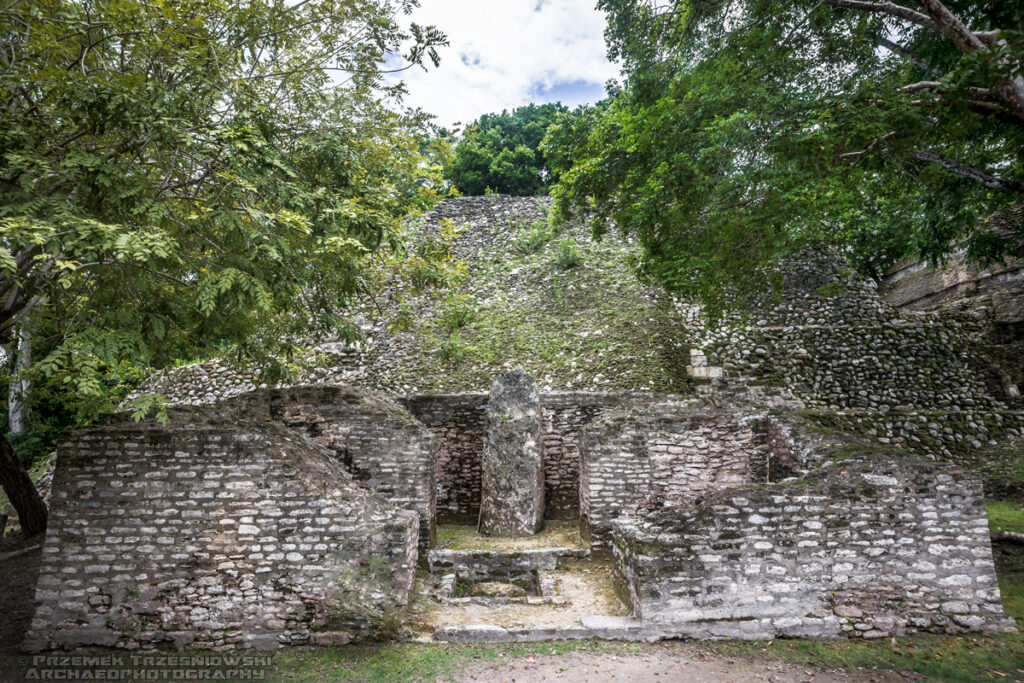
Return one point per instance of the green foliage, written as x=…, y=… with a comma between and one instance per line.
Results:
x=70, y=387
x=147, y=404
x=746, y=131
x=459, y=310
x=181, y=178
x=32, y=446
x=452, y=349
x=500, y=153
x=568, y=254
x=532, y=237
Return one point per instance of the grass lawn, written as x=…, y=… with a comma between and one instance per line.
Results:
x=1005, y=516
x=922, y=656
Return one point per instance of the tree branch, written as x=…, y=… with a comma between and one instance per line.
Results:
x=896, y=48
x=869, y=149
x=950, y=26
x=988, y=37
x=965, y=171
x=943, y=87
x=890, y=8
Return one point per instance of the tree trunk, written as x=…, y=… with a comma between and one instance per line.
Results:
x=21, y=491
x=17, y=408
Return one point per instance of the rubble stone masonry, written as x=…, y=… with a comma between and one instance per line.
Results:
x=860, y=548
x=215, y=535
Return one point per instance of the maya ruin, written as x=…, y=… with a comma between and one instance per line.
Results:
x=390, y=341
x=801, y=481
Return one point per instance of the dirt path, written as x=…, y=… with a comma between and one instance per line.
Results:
x=655, y=666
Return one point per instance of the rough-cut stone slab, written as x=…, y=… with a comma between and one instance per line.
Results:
x=512, y=501
x=478, y=563
x=611, y=628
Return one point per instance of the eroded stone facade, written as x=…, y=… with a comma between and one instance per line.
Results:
x=799, y=492
x=377, y=441
x=214, y=534
x=512, y=473
x=859, y=548
x=665, y=454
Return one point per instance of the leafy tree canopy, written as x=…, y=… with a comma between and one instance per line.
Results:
x=178, y=175
x=501, y=153
x=747, y=129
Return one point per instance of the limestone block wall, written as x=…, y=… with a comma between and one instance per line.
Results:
x=911, y=284
x=634, y=461
x=214, y=534
x=860, y=548
x=459, y=421
x=837, y=345
x=565, y=416
x=993, y=296
x=379, y=442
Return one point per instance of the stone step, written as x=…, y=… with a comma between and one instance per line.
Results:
x=621, y=628
x=603, y=627
x=494, y=562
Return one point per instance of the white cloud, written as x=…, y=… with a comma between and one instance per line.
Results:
x=507, y=53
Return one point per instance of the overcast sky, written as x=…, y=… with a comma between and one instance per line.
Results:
x=507, y=53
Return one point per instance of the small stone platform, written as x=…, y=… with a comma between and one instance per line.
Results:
x=484, y=563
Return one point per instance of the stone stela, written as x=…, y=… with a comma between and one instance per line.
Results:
x=512, y=491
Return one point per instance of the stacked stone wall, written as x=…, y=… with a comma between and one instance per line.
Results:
x=861, y=548
x=214, y=535
x=834, y=347
x=459, y=421
x=565, y=416
x=993, y=296
x=668, y=454
x=379, y=442
x=837, y=346
x=328, y=363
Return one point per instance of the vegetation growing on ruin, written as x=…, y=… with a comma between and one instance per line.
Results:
x=182, y=177
x=568, y=309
